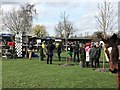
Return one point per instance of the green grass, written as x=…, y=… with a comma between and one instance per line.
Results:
x=23, y=73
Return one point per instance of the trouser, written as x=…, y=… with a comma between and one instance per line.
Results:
x=44, y=52
x=87, y=64
x=83, y=63
x=41, y=54
x=97, y=63
x=91, y=61
x=41, y=58
x=77, y=57
x=30, y=54
x=49, y=58
x=70, y=57
x=59, y=57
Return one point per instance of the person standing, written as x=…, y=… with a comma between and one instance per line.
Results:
x=76, y=52
x=30, y=49
x=82, y=55
x=97, y=56
x=87, y=49
x=41, y=53
x=50, y=47
x=44, y=49
x=59, y=50
x=92, y=54
x=70, y=51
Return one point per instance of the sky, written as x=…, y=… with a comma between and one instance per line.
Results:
x=81, y=13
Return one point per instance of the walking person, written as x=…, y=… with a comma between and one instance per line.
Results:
x=76, y=52
x=50, y=47
x=30, y=49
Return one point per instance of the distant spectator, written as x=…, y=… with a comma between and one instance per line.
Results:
x=97, y=56
x=41, y=53
x=39, y=46
x=87, y=49
x=59, y=51
x=92, y=54
x=70, y=52
x=30, y=49
x=82, y=55
x=50, y=47
x=44, y=48
x=6, y=44
x=76, y=52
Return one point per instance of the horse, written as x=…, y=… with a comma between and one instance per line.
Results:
x=112, y=50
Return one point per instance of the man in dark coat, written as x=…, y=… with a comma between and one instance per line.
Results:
x=76, y=52
x=97, y=56
x=59, y=48
x=82, y=55
x=92, y=54
x=50, y=47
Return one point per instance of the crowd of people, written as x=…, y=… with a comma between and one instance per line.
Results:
x=87, y=54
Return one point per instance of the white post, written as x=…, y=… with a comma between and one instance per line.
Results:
x=18, y=44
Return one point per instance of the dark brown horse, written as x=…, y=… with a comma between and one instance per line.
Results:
x=112, y=49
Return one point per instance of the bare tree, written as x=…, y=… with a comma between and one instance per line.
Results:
x=19, y=20
x=27, y=14
x=59, y=29
x=64, y=28
x=12, y=21
x=106, y=17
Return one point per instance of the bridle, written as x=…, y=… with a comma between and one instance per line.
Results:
x=113, y=58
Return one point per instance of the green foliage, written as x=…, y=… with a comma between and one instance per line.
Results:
x=39, y=30
x=95, y=37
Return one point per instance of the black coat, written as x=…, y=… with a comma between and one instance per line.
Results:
x=30, y=46
x=76, y=48
x=82, y=54
x=92, y=52
x=98, y=52
x=50, y=48
x=59, y=49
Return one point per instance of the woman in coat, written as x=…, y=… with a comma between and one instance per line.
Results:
x=87, y=49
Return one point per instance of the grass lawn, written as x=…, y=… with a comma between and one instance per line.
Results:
x=24, y=73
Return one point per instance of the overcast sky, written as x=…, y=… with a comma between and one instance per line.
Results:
x=81, y=12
